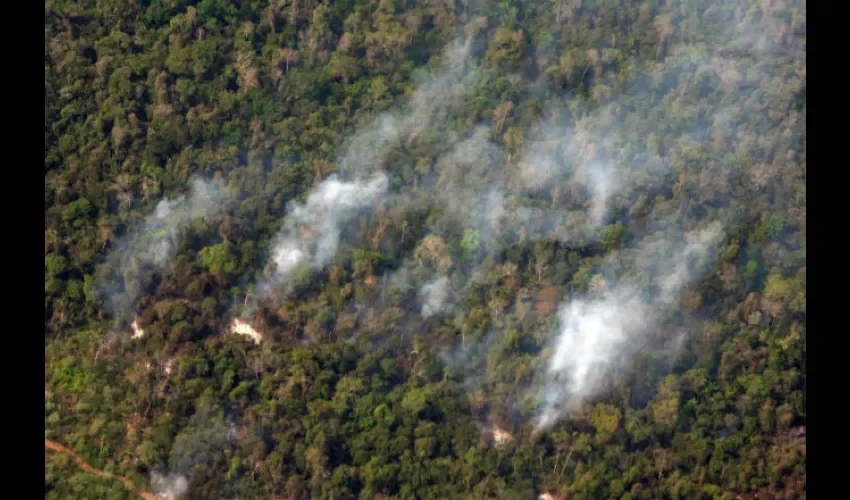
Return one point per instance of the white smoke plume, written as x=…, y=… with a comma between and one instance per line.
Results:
x=602, y=184
x=169, y=487
x=596, y=333
x=471, y=353
x=582, y=156
x=152, y=244
x=474, y=185
x=467, y=187
x=209, y=434
x=434, y=95
x=311, y=231
x=436, y=297
x=592, y=146
x=561, y=151
x=162, y=229
x=592, y=334
x=690, y=263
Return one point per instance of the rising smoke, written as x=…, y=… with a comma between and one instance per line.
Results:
x=153, y=242
x=578, y=171
x=311, y=232
x=208, y=435
x=572, y=177
x=588, y=159
x=435, y=296
x=600, y=329
x=596, y=333
x=170, y=486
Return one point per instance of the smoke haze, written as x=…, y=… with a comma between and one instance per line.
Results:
x=595, y=333
x=311, y=231
x=566, y=179
x=153, y=242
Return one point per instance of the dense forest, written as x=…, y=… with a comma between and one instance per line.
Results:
x=438, y=249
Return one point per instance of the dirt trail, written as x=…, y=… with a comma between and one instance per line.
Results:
x=88, y=468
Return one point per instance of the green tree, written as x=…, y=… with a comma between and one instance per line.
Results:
x=218, y=258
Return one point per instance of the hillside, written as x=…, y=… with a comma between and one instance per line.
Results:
x=394, y=249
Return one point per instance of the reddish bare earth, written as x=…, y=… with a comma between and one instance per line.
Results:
x=86, y=467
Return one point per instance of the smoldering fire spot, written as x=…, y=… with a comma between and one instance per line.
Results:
x=240, y=327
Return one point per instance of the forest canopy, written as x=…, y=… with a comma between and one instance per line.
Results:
x=396, y=249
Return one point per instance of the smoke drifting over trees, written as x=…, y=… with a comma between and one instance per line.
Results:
x=579, y=223
x=597, y=332
x=312, y=231
x=152, y=243
x=492, y=194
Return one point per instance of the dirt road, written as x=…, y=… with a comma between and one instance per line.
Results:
x=88, y=468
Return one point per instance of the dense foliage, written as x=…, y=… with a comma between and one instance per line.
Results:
x=350, y=393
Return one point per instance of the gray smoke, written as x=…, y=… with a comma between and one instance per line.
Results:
x=594, y=149
x=596, y=332
x=169, y=487
x=207, y=436
x=311, y=232
x=593, y=161
x=153, y=242
x=436, y=93
x=436, y=296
